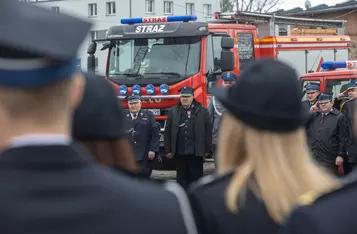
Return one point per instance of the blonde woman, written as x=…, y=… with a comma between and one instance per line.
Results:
x=264, y=165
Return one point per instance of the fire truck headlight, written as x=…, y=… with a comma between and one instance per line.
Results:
x=123, y=89
x=136, y=89
x=150, y=89
x=164, y=89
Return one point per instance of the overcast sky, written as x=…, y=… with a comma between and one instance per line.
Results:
x=289, y=4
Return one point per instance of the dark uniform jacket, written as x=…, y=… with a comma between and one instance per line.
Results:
x=207, y=199
x=348, y=109
x=201, y=124
x=327, y=136
x=143, y=133
x=58, y=189
x=332, y=213
x=306, y=104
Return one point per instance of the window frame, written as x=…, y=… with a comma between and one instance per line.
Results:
x=190, y=6
x=171, y=7
x=147, y=3
x=207, y=10
x=92, y=10
x=110, y=8
x=55, y=8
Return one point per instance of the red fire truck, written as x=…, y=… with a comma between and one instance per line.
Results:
x=156, y=56
x=333, y=78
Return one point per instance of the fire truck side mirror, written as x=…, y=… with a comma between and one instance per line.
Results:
x=227, y=43
x=227, y=60
x=92, y=48
x=91, y=58
x=227, y=57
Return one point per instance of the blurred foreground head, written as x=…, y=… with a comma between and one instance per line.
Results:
x=40, y=85
x=98, y=124
x=263, y=138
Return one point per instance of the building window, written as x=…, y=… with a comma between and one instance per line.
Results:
x=168, y=7
x=149, y=6
x=92, y=9
x=111, y=8
x=190, y=8
x=55, y=9
x=207, y=10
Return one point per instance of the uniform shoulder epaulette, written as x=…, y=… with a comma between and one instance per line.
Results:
x=335, y=111
x=311, y=197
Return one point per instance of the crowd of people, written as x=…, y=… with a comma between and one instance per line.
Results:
x=73, y=161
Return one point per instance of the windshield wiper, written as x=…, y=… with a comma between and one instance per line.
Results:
x=165, y=73
x=128, y=74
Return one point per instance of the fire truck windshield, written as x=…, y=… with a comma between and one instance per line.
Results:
x=154, y=58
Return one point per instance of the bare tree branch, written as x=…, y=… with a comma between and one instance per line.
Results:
x=272, y=6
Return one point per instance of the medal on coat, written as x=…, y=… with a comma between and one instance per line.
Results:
x=189, y=114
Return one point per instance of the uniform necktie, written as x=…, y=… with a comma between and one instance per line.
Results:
x=134, y=116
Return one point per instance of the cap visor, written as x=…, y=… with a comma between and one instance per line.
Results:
x=186, y=95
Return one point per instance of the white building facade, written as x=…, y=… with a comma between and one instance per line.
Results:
x=106, y=13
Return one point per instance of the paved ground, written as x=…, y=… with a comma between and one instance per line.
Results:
x=171, y=175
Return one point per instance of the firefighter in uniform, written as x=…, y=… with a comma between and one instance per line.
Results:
x=347, y=107
x=262, y=139
x=48, y=183
x=327, y=135
x=330, y=213
x=188, y=137
x=144, y=133
x=216, y=109
x=312, y=91
x=341, y=100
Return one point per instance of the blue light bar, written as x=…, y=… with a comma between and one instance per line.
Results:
x=159, y=19
x=341, y=64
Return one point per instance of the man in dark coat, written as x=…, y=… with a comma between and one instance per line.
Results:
x=327, y=135
x=347, y=107
x=48, y=184
x=188, y=137
x=144, y=133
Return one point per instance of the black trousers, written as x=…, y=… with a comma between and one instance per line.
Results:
x=189, y=168
x=144, y=168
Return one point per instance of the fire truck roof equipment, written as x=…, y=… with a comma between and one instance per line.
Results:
x=251, y=17
x=159, y=19
x=338, y=64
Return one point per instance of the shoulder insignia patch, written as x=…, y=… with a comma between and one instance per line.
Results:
x=308, y=198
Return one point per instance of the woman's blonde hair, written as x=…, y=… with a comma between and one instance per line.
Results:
x=279, y=163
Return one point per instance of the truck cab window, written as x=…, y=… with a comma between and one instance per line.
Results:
x=337, y=86
x=155, y=58
x=245, y=48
